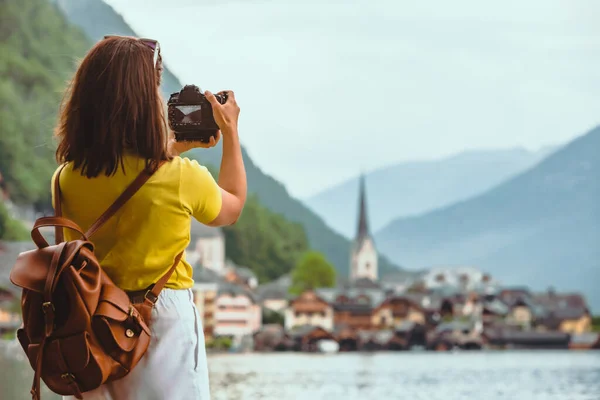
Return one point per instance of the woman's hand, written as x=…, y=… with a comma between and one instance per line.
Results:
x=176, y=148
x=226, y=115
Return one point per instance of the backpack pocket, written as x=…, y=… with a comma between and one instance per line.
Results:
x=69, y=364
x=120, y=330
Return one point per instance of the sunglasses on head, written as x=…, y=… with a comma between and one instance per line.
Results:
x=153, y=44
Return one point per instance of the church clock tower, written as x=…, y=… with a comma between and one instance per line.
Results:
x=363, y=257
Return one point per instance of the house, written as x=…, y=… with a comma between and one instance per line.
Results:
x=240, y=275
x=493, y=312
x=275, y=295
x=510, y=295
x=309, y=308
x=205, y=290
x=228, y=309
x=574, y=320
x=207, y=247
x=274, y=299
x=353, y=302
x=395, y=310
x=205, y=294
x=354, y=315
x=564, y=312
x=473, y=306
x=237, y=313
x=521, y=313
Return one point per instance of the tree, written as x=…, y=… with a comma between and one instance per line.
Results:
x=312, y=271
x=264, y=241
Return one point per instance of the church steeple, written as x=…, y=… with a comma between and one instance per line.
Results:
x=363, y=223
x=363, y=257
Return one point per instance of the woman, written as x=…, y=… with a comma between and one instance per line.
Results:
x=112, y=125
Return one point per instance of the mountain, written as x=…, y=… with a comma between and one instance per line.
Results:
x=413, y=188
x=541, y=227
x=96, y=18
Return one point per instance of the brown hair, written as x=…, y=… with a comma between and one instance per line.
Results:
x=111, y=107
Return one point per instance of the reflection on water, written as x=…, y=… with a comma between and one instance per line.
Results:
x=413, y=376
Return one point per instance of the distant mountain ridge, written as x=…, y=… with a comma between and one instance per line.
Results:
x=541, y=227
x=412, y=188
x=97, y=18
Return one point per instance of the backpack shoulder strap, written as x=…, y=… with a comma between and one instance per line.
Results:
x=58, y=231
x=132, y=189
x=154, y=290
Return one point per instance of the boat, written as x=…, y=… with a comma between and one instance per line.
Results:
x=328, y=346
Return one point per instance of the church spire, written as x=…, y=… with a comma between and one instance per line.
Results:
x=363, y=255
x=363, y=224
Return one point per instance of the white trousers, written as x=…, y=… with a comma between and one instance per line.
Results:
x=175, y=365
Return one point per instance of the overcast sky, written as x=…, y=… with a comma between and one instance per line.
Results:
x=328, y=89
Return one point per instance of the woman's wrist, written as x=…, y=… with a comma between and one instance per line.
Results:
x=231, y=132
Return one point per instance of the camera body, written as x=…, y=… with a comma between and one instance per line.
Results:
x=190, y=115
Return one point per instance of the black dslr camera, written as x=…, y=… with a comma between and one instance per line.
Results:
x=191, y=115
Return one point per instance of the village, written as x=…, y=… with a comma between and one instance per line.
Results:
x=441, y=309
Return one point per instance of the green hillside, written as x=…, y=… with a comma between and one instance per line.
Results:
x=39, y=50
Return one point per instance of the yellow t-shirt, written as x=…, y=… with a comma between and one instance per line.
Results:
x=140, y=242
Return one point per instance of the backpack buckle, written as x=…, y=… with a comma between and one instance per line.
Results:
x=151, y=297
x=47, y=306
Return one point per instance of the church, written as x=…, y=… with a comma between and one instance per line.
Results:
x=363, y=256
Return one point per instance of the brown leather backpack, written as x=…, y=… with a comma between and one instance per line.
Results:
x=79, y=329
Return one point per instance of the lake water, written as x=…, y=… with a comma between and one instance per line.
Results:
x=535, y=375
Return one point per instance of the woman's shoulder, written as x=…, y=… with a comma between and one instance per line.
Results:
x=63, y=169
x=186, y=165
